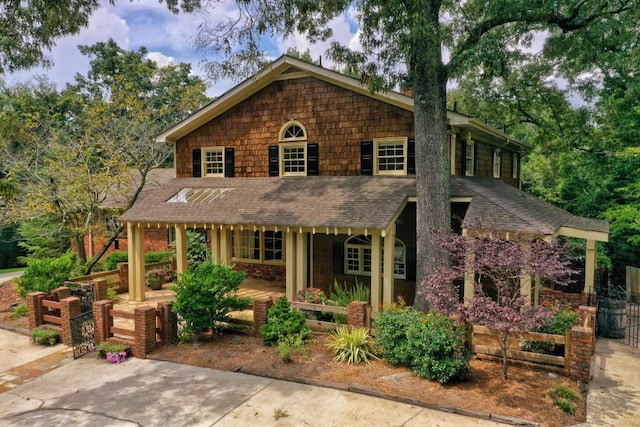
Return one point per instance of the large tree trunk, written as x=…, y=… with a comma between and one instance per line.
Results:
x=432, y=150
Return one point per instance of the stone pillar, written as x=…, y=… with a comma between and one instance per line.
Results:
x=34, y=305
x=357, y=314
x=100, y=288
x=145, y=327
x=102, y=320
x=581, y=341
x=70, y=307
x=123, y=273
x=261, y=308
x=168, y=322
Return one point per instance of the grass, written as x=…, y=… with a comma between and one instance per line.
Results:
x=563, y=397
x=12, y=270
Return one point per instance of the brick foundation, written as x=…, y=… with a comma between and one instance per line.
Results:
x=272, y=273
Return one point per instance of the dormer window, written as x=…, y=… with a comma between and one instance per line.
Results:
x=293, y=156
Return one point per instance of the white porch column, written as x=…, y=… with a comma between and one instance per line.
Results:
x=376, y=271
x=469, y=276
x=590, y=267
x=525, y=287
x=301, y=261
x=181, y=249
x=290, y=260
x=225, y=246
x=135, y=235
x=389, y=255
x=215, y=245
x=452, y=151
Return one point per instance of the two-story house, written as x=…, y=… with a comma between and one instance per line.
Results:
x=302, y=175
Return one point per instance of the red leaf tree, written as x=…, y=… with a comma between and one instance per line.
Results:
x=500, y=268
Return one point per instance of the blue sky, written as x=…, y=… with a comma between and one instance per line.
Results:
x=167, y=37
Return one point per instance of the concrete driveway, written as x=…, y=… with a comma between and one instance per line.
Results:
x=8, y=276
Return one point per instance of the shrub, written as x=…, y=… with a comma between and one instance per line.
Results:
x=351, y=346
x=391, y=326
x=563, y=397
x=44, y=336
x=111, y=261
x=197, y=249
x=157, y=256
x=157, y=277
x=19, y=311
x=288, y=344
x=562, y=320
x=106, y=347
x=112, y=294
x=206, y=295
x=46, y=275
x=342, y=296
x=283, y=323
x=311, y=295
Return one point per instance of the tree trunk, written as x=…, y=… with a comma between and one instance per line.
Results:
x=82, y=254
x=432, y=149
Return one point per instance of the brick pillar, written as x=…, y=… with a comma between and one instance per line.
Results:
x=34, y=305
x=61, y=293
x=123, y=272
x=261, y=308
x=168, y=322
x=145, y=327
x=357, y=314
x=102, y=320
x=70, y=307
x=100, y=288
x=589, y=319
x=580, y=355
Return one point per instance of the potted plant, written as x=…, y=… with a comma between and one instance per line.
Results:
x=156, y=278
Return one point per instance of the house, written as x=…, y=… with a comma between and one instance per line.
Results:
x=300, y=174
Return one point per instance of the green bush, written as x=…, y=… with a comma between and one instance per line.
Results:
x=157, y=256
x=205, y=296
x=111, y=261
x=19, y=311
x=342, y=296
x=351, y=346
x=45, y=275
x=283, y=323
x=44, y=336
x=563, y=320
x=430, y=344
x=197, y=248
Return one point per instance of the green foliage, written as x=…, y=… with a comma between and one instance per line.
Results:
x=564, y=397
x=111, y=261
x=9, y=249
x=430, y=344
x=44, y=336
x=197, y=249
x=342, y=295
x=352, y=346
x=562, y=320
x=112, y=294
x=205, y=296
x=43, y=238
x=19, y=311
x=288, y=344
x=157, y=256
x=283, y=323
x=110, y=347
x=45, y=275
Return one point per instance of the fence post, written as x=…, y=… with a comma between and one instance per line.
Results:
x=102, y=320
x=100, y=288
x=61, y=293
x=581, y=351
x=123, y=273
x=145, y=331
x=357, y=314
x=70, y=307
x=261, y=308
x=168, y=322
x=34, y=305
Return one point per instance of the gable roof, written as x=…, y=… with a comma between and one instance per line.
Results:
x=118, y=195
x=285, y=68
x=347, y=202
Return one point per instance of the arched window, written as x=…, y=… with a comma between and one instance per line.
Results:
x=357, y=258
x=293, y=130
x=293, y=148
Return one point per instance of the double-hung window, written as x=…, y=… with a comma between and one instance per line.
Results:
x=213, y=161
x=497, y=163
x=470, y=158
x=258, y=246
x=390, y=156
x=358, y=257
x=292, y=149
x=515, y=163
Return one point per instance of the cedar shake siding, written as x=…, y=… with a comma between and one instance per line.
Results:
x=337, y=119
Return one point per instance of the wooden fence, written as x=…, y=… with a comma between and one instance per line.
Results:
x=323, y=325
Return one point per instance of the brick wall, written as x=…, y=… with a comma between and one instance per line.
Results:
x=551, y=298
x=155, y=239
x=272, y=273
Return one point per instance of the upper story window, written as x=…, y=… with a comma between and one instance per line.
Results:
x=293, y=156
x=515, y=163
x=470, y=158
x=497, y=163
x=390, y=156
x=357, y=258
x=213, y=161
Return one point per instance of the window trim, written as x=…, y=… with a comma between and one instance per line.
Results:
x=515, y=165
x=286, y=126
x=203, y=166
x=470, y=158
x=497, y=163
x=281, y=160
x=405, y=154
x=361, y=247
x=261, y=249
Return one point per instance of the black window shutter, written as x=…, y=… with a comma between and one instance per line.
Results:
x=312, y=160
x=411, y=156
x=338, y=258
x=366, y=158
x=196, y=162
x=411, y=264
x=274, y=167
x=464, y=158
x=229, y=162
x=475, y=159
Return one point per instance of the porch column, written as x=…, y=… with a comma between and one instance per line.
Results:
x=389, y=256
x=215, y=245
x=452, y=151
x=590, y=267
x=181, y=249
x=525, y=278
x=135, y=235
x=301, y=261
x=290, y=260
x=225, y=246
x=469, y=276
x=376, y=271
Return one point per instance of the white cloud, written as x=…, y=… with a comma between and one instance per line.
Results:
x=160, y=59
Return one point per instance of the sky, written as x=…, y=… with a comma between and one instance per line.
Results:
x=167, y=37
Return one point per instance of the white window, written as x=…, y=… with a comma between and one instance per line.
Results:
x=470, y=159
x=390, y=156
x=293, y=149
x=258, y=246
x=213, y=161
x=497, y=163
x=514, y=165
x=357, y=258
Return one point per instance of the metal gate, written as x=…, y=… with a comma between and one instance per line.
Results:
x=619, y=320
x=83, y=338
x=632, y=330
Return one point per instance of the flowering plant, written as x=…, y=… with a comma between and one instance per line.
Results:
x=116, y=357
x=157, y=277
x=311, y=295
